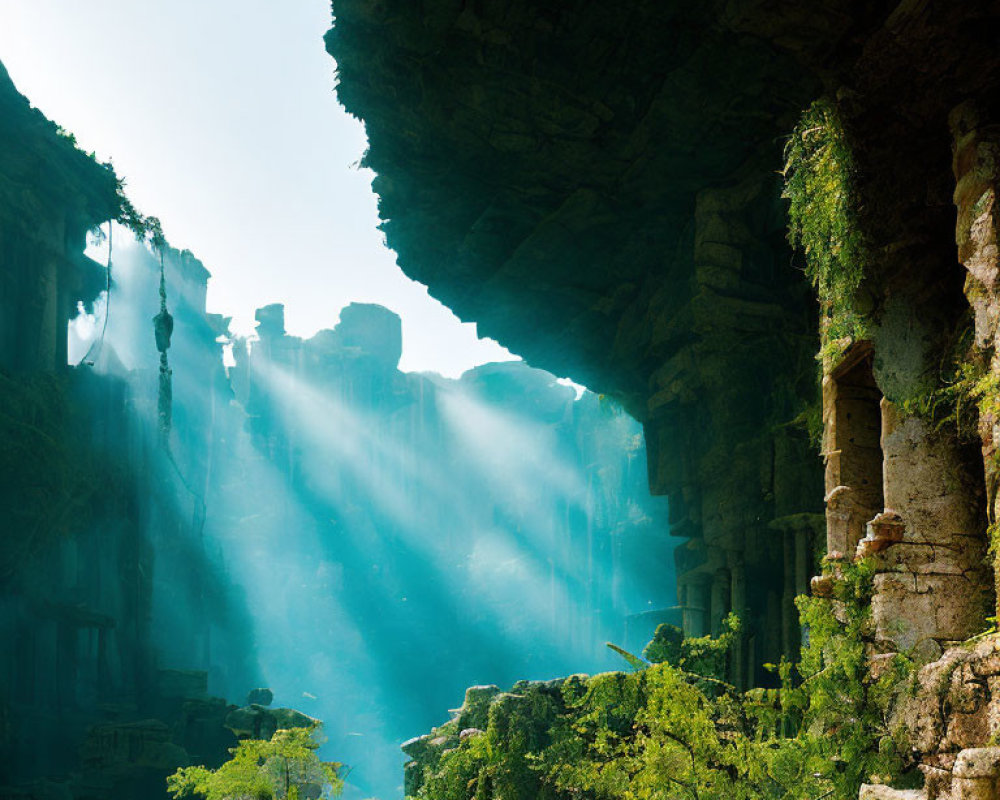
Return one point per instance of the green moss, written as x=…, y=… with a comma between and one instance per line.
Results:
x=819, y=177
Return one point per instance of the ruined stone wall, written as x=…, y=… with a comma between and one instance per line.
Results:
x=975, y=127
x=86, y=709
x=51, y=195
x=905, y=482
x=932, y=374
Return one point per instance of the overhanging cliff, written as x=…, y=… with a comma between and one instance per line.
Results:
x=599, y=188
x=539, y=166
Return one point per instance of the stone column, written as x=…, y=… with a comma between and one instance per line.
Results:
x=789, y=618
x=719, y=600
x=975, y=128
x=737, y=602
x=931, y=588
x=696, y=605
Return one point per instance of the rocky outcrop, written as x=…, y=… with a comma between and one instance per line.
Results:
x=259, y=722
x=950, y=716
x=619, y=220
x=649, y=167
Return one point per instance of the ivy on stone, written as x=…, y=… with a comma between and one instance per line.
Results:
x=819, y=174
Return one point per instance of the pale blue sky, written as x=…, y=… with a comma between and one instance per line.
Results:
x=221, y=116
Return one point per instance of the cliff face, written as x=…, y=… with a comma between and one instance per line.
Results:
x=599, y=189
x=557, y=155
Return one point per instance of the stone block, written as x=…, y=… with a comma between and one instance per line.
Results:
x=960, y=604
x=184, y=683
x=920, y=558
x=908, y=608
x=876, y=791
x=937, y=781
x=260, y=697
x=978, y=762
x=974, y=789
x=977, y=774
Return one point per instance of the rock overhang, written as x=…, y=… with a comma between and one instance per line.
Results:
x=537, y=165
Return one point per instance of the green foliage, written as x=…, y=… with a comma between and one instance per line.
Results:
x=668, y=733
x=633, y=660
x=145, y=228
x=286, y=766
x=702, y=656
x=966, y=388
x=810, y=420
x=845, y=710
x=819, y=177
x=705, y=656
x=665, y=646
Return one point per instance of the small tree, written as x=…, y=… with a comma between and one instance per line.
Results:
x=284, y=768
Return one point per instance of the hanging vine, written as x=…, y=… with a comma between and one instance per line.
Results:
x=820, y=185
x=163, y=327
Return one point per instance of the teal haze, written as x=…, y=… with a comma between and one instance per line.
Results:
x=367, y=542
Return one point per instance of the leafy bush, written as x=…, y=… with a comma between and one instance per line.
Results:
x=666, y=732
x=286, y=767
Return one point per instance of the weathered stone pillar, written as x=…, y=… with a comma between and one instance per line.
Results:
x=738, y=602
x=928, y=544
x=975, y=130
x=719, y=600
x=789, y=620
x=696, y=605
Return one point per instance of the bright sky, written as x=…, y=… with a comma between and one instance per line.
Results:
x=221, y=116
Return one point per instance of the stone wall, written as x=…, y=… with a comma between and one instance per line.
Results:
x=951, y=716
x=51, y=195
x=975, y=127
x=86, y=709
